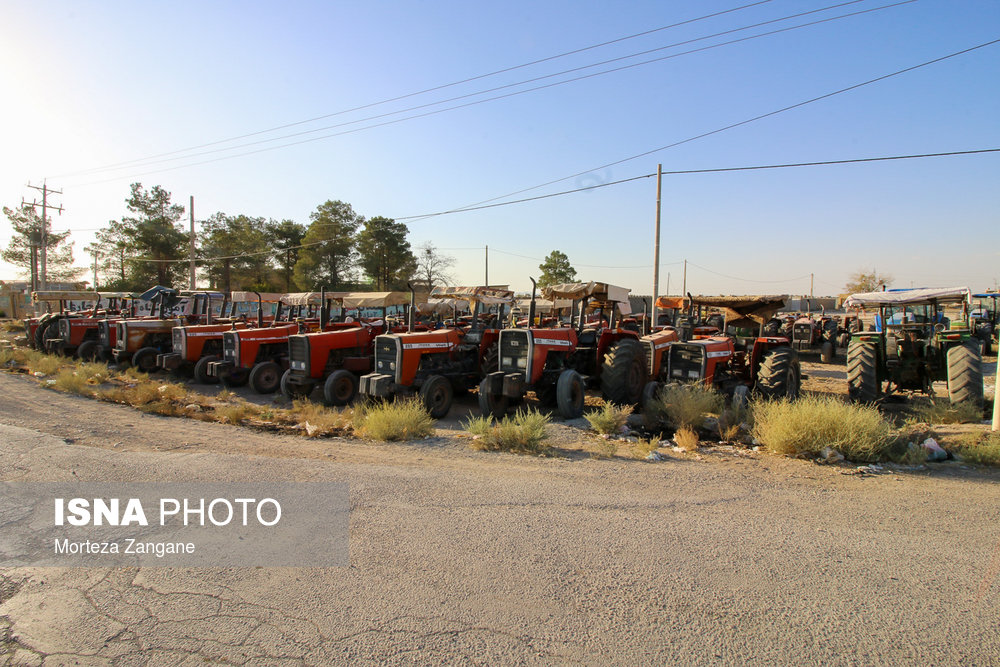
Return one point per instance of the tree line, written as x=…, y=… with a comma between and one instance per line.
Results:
x=339, y=249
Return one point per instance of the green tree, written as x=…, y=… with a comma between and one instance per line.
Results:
x=556, y=269
x=385, y=253
x=867, y=281
x=232, y=246
x=285, y=237
x=329, y=255
x=26, y=225
x=112, y=257
x=153, y=238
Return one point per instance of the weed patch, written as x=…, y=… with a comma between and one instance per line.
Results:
x=943, y=412
x=394, y=421
x=687, y=439
x=684, y=405
x=523, y=433
x=981, y=449
x=610, y=419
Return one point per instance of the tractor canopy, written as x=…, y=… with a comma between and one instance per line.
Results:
x=488, y=296
x=309, y=298
x=667, y=302
x=602, y=292
x=915, y=297
x=251, y=297
x=64, y=295
x=353, y=300
x=742, y=310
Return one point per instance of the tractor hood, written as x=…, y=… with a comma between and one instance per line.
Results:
x=913, y=297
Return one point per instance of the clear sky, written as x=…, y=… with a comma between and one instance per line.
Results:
x=89, y=85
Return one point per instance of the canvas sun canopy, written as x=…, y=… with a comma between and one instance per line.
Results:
x=64, y=296
x=598, y=291
x=758, y=309
x=677, y=302
x=311, y=298
x=441, y=306
x=374, y=299
x=914, y=297
x=251, y=297
x=490, y=296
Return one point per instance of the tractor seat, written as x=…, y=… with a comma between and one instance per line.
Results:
x=587, y=338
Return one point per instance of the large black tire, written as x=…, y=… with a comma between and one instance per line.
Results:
x=88, y=350
x=491, y=360
x=826, y=352
x=779, y=375
x=965, y=374
x=862, y=373
x=294, y=391
x=436, y=393
x=490, y=404
x=340, y=388
x=51, y=330
x=649, y=393
x=570, y=394
x=201, y=375
x=38, y=340
x=623, y=374
x=265, y=377
x=145, y=359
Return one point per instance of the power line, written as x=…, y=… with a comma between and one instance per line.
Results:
x=427, y=90
x=747, y=280
x=604, y=185
x=735, y=125
x=490, y=99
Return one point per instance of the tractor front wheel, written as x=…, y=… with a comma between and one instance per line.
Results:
x=862, y=376
x=88, y=350
x=779, y=375
x=340, y=388
x=201, y=375
x=826, y=352
x=293, y=391
x=436, y=393
x=965, y=374
x=145, y=359
x=490, y=404
x=570, y=393
x=624, y=373
x=265, y=377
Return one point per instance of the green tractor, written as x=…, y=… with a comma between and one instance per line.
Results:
x=913, y=345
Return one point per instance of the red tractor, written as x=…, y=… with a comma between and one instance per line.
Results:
x=78, y=335
x=195, y=346
x=559, y=363
x=335, y=359
x=259, y=355
x=138, y=341
x=45, y=327
x=438, y=363
x=739, y=362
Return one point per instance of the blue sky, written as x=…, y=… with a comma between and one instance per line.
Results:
x=98, y=84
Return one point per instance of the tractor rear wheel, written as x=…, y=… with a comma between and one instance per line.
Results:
x=293, y=391
x=826, y=352
x=649, y=393
x=965, y=374
x=41, y=331
x=490, y=404
x=570, y=393
x=145, y=359
x=623, y=374
x=779, y=375
x=862, y=376
x=201, y=375
x=265, y=377
x=340, y=388
x=87, y=350
x=436, y=393
x=491, y=360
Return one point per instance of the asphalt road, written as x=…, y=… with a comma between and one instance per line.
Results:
x=477, y=558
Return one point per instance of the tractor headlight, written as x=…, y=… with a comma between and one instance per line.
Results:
x=507, y=362
x=522, y=362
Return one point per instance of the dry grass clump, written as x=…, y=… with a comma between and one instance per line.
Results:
x=236, y=412
x=523, y=433
x=6, y=355
x=644, y=448
x=94, y=373
x=39, y=362
x=316, y=419
x=944, y=412
x=394, y=421
x=684, y=405
x=981, y=448
x=687, y=439
x=71, y=381
x=806, y=426
x=13, y=325
x=610, y=419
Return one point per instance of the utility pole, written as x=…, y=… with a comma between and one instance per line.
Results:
x=656, y=245
x=487, y=284
x=811, y=285
x=44, y=232
x=193, y=278
x=684, y=289
x=95, y=267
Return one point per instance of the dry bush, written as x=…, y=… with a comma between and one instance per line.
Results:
x=13, y=325
x=523, y=433
x=71, y=381
x=687, y=439
x=95, y=373
x=806, y=426
x=236, y=412
x=684, y=405
x=142, y=394
x=981, y=448
x=225, y=394
x=943, y=412
x=316, y=419
x=610, y=419
x=395, y=421
x=39, y=362
x=644, y=448
x=6, y=355
x=171, y=391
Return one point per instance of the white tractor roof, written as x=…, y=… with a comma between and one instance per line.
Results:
x=913, y=297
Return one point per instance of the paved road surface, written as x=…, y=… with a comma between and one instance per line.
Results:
x=476, y=558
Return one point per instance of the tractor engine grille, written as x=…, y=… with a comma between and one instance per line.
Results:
x=802, y=333
x=298, y=354
x=122, y=336
x=177, y=341
x=64, y=329
x=386, y=354
x=514, y=350
x=104, y=334
x=686, y=362
x=650, y=357
x=230, y=346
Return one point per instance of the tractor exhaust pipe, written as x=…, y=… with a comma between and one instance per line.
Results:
x=324, y=312
x=412, y=310
x=260, y=311
x=645, y=318
x=531, y=306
